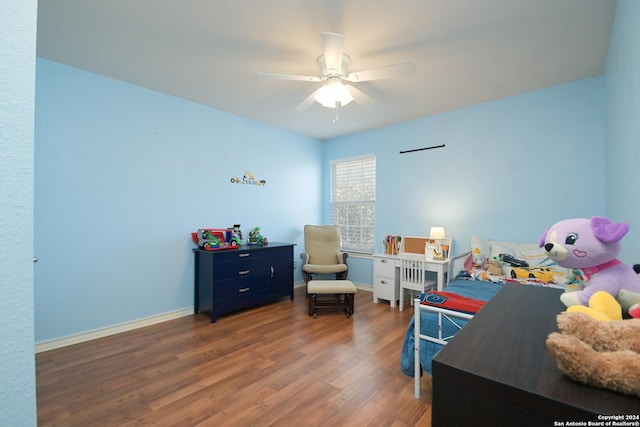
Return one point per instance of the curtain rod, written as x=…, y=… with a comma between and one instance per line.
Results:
x=420, y=149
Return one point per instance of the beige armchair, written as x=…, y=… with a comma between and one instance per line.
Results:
x=322, y=252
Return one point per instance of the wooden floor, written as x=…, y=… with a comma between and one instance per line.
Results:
x=272, y=365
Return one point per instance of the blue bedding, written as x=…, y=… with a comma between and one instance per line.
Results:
x=429, y=324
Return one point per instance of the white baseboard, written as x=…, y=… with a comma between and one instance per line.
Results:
x=111, y=330
x=362, y=287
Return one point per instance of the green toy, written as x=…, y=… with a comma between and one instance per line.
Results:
x=256, y=238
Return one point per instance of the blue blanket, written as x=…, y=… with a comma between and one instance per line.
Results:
x=429, y=324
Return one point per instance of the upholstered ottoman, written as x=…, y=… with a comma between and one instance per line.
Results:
x=330, y=295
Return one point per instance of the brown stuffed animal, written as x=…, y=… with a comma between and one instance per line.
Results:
x=494, y=266
x=602, y=354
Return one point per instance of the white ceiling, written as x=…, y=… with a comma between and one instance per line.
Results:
x=466, y=51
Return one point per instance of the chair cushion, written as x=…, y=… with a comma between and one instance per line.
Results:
x=325, y=268
x=330, y=287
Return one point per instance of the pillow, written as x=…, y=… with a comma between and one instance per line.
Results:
x=524, y=260
x=527, y=252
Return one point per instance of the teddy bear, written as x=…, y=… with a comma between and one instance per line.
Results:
x=593, y=245
x=603, y=354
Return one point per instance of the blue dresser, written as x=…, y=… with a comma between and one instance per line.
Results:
x=234, y=279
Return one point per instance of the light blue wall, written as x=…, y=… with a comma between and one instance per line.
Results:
x=124, y=174
x=510, y=168
x=17, y=93
x=623, y=124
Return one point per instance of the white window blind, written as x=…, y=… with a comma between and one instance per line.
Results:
x=353, y=202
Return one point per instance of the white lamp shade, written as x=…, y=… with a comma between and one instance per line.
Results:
x=333, y=92
x=436, y=233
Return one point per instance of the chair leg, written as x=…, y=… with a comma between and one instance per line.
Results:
x=401, y=298
x=347, y=303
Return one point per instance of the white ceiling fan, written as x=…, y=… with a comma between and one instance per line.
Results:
x=333, y=65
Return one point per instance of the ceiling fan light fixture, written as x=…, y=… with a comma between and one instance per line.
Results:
x=333, y=92
x=333, y=65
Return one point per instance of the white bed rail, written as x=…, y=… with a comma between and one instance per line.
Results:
x=444, y=315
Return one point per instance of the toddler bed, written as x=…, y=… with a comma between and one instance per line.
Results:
x=520, y=263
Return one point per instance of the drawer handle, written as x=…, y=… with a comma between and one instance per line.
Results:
x=244, y=255
x=242, y=290
x=384, y=261
x=384, y=282
x=243, y=272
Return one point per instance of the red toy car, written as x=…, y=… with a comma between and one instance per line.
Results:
x=211, y=239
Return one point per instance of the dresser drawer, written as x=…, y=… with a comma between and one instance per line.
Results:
x=384, y=267
x=242, y=268
x=243, y=286
x=385, y=288
x=238, y=254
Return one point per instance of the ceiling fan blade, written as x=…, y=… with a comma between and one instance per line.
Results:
x=288, y=77
x=388, y=72
x=360, y=97
x=307, y=102
x=333, y=49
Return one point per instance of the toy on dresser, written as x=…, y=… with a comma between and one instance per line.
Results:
x=256, y=237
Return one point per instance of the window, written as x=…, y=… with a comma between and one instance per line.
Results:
x=353, y=202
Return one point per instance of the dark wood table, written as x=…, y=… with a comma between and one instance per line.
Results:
x=497, y=370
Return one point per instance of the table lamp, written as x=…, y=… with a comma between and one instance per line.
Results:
x=435, y=234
